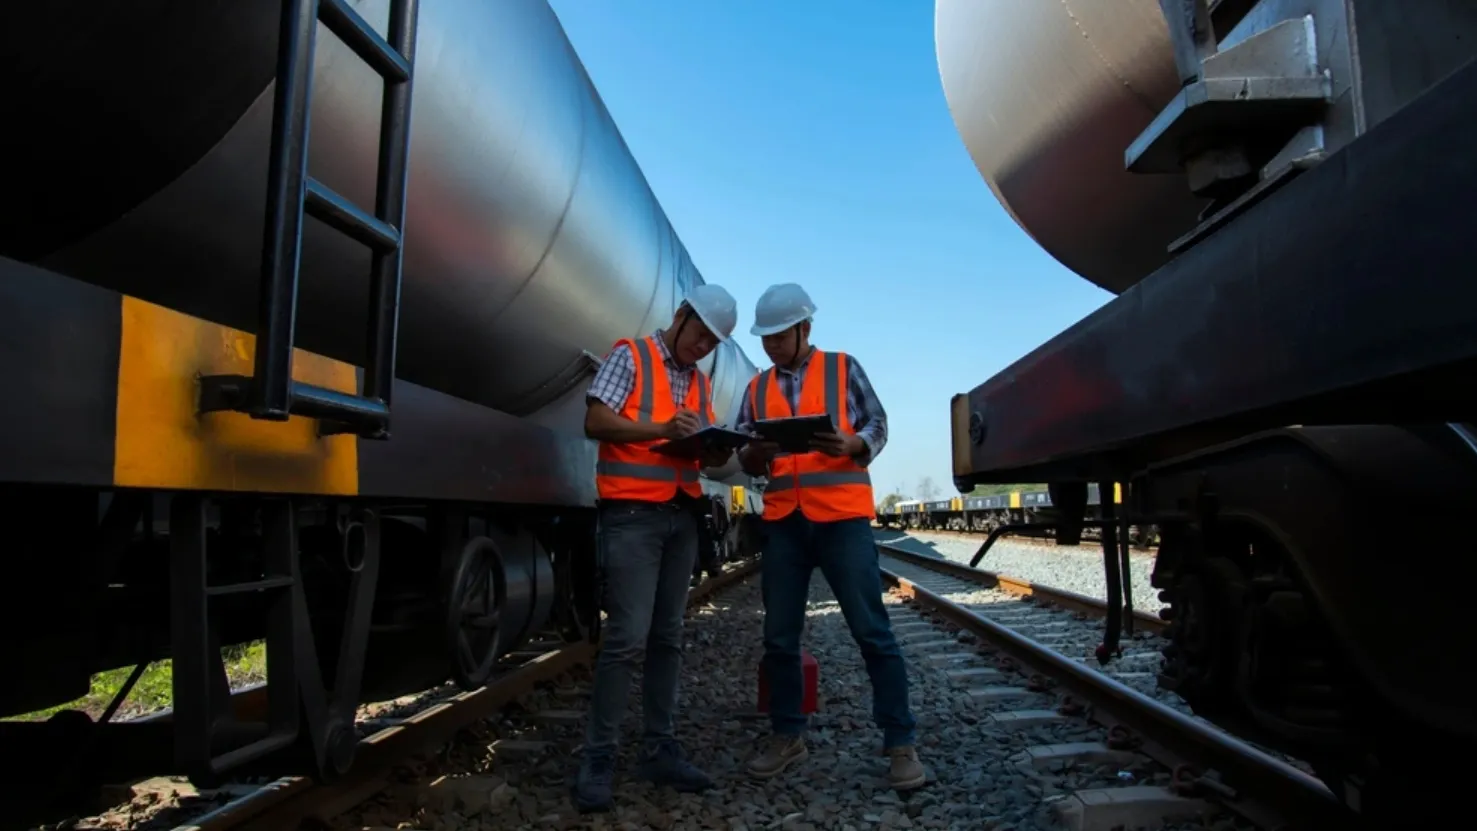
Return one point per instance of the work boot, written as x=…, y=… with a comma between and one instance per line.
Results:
x=665, y=766
x=592, y=786
x=779, y=753
x=906, y=772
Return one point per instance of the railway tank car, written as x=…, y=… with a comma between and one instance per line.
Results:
x=200, y=436
x=1270, y=188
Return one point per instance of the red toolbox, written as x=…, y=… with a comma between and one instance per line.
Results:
x=810, y=672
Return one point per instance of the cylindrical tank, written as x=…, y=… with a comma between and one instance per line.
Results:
x=135, y=157
x=1047, y=97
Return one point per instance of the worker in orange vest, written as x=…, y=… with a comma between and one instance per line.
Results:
x=648, y=390
x=818, y=511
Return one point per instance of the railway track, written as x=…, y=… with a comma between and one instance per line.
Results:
x=1036, y=671
x=1008, y=666
x=389, y=739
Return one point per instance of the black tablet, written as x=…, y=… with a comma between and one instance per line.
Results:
x=793, y=434
x=694, y=445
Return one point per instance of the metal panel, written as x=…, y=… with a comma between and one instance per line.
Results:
x=59, y=358
x=58, y=419
x=447, y=448
x=1346, y=298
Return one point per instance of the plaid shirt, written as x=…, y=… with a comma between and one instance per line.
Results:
x=612, y=385
x=863, y=407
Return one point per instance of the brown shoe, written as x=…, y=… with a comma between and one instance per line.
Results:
x=779, y=753
x=907, y=772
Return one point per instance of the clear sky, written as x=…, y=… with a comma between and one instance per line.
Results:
x=810, y=142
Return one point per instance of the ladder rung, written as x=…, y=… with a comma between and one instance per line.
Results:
x=319, y=402
x=256, y=585
x=326, y=204
x=359, y=36
x=232, y=392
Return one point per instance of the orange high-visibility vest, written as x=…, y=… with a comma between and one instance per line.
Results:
x=824, y=488
x=633, y=471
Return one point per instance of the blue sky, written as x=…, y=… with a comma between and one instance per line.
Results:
x=810, y=142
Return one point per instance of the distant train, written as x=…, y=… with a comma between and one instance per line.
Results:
x=986, y=513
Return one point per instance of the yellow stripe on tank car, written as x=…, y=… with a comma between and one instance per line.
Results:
x=1118, y=493
x=163, y=441
x=1015, y=499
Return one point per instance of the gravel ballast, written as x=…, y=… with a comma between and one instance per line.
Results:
x=976, y=779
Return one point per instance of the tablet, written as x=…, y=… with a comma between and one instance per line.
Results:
x=793, y=434
x=693, y=446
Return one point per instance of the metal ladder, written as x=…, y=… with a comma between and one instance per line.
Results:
x=271, y=393
x=208, y=740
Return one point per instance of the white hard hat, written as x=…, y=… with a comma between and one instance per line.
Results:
x=781, y=307
x=715, y=307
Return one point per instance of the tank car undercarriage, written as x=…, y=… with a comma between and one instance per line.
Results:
x=351, y=597
x=1289, y=623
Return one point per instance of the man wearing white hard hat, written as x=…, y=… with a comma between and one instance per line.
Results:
x=818, y=513
x=648, y=390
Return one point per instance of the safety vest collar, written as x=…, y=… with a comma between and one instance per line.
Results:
x=767, y=385
x=632, y=470
x=651, y=357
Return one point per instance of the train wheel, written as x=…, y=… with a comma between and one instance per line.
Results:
x=1202, y=653
x=479, y=593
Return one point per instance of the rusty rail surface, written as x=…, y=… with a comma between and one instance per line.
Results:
x=1265, y=786
x=1072, y=601
x=285, y=803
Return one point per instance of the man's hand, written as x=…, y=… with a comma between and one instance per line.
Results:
x=761, y=451
x=756, y=454
x=681, y=425
x=834, y=445
x=716, y=456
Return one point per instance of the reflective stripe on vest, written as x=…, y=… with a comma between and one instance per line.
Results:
x=632, y=470
x=824, y=488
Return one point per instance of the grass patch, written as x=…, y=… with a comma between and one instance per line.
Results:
x=245, y=664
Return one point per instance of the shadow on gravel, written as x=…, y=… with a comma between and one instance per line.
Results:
x=912, y=545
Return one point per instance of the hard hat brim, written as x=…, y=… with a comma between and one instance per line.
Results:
x=717, y=333
x=761, y=331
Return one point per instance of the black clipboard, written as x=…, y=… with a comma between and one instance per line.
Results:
x=693, y=446
x=793, y=434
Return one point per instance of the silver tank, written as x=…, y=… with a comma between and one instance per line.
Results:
x=1047, y=95
x=533, y=241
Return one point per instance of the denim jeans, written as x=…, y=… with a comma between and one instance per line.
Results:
x=646, y=554
x=846, y=553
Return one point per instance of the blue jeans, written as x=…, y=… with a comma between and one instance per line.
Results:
x=646, y=554
x=847, y=555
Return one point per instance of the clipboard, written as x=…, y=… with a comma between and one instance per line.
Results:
x=793, y=434
x=691, y=447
